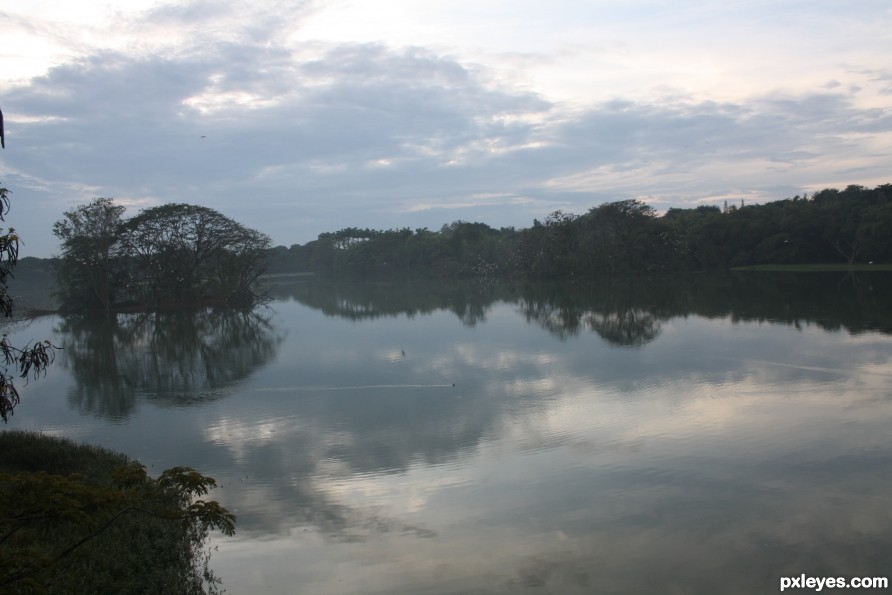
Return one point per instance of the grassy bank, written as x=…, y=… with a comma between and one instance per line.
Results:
x=814, y=268
x=57, y=494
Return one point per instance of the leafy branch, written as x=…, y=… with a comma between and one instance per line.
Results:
x=41, y=502
x=31, y=359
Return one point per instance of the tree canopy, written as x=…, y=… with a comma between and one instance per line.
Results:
x=90, y=243
x=626, y=237
x=173, y=254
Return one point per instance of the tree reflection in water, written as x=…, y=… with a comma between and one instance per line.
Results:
x=183, y=357
x=631, y=327
x=175, y=358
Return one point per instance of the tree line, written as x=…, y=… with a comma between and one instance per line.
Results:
x=179, y=254
x=848, y=226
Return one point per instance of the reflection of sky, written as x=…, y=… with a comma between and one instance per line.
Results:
x=714, y=459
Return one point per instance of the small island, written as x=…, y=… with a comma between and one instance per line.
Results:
x=169, y=256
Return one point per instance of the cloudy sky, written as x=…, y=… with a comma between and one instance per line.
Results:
x=297, y=118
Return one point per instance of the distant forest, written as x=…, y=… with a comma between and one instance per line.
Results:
x=619, y=238
x=615, y=239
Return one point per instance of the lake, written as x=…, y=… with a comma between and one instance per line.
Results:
x=692, y=434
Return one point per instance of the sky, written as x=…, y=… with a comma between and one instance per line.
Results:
x=303, y=117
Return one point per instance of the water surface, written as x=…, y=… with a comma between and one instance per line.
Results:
x=687, y=435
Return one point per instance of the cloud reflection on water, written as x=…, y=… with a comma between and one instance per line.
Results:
x=716, y=458
x=725, y=446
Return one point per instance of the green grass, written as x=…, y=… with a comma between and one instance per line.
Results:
x=814, y=268
x=136, y=553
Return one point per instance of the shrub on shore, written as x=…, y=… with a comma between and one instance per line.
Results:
x=83, y=519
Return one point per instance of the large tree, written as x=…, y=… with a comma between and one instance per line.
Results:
x=174, y=254
x=90, y=243
x=187, y=253
x=629, y=237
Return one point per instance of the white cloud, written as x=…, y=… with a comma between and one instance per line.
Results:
x=317, y=116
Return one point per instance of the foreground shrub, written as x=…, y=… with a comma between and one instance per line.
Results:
x=82, y=519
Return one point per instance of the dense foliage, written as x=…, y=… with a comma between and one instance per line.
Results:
x=174, y=254
x=620, y=238
x=81, y=519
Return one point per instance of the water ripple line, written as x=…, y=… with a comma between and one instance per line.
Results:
x=319, y=388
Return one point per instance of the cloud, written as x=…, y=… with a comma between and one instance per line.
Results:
x=238, y=109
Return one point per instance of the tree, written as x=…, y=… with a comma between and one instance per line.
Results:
x=186, y=253
x=90, y=242
x=32, y=359
x=624, y=231
x=875, y=233
x=90, y=521
x=851, y=218
x=174, y=254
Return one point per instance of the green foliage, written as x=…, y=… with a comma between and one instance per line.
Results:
x=618, y=239
x=174, y=254
x=90, y=242
x=82, y=519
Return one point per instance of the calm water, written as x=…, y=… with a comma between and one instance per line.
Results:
x=693, y=435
